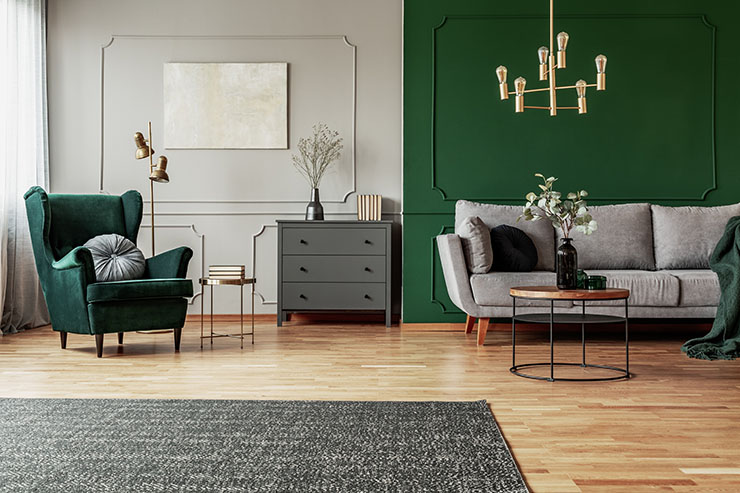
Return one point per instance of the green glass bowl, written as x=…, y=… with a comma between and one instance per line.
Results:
x=596, y=282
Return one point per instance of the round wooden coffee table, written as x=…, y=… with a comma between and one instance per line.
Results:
x=553, y=294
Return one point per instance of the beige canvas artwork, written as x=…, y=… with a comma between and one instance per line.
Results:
x=226, y=105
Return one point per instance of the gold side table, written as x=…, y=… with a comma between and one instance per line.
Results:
x=209, y=281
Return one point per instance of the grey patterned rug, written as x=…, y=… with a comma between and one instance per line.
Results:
x=76, y=445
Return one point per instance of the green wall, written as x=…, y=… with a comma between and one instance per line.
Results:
x=665, y=131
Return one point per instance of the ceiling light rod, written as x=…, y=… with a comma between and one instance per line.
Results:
x=548, y=63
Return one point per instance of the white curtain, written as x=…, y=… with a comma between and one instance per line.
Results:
x=24, y=156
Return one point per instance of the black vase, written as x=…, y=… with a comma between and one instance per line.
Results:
x=566, y=263
x=314, y=210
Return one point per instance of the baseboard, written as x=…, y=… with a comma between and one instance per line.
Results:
x=297, y=318
x=233, y=317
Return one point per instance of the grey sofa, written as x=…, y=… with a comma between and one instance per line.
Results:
x=661, y=254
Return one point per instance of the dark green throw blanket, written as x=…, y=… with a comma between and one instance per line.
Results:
x=723, y=341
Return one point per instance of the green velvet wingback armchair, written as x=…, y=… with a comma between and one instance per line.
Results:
x=59, y=225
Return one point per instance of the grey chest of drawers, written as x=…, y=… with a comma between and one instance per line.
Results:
x=337, y=266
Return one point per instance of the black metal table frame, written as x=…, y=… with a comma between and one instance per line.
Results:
x=566, y=318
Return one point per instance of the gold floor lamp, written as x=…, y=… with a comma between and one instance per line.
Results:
x=157, y=172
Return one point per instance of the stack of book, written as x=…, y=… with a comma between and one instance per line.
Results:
x=369, y=207
x=226, y=272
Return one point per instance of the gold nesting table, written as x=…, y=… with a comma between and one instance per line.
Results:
x=211, y=282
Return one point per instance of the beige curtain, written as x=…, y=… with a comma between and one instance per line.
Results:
x=23, y=156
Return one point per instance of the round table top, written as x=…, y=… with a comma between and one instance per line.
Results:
x=209, y=281
x=553, y=293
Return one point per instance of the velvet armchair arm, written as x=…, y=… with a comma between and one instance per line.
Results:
x=170, y=264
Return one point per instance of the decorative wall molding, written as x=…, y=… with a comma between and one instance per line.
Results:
x=202, y=238
x=341, y=37
x=713, y=54
x=254, y=263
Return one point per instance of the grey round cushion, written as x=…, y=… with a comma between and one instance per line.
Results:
x=116, y=258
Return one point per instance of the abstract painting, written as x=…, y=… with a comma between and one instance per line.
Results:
x=226, y=105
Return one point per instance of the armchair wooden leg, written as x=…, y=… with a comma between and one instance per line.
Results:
x=63, y=339
x=120, y=338
x=99, y=344
x=482, y=329
x=469, y=322
x=178, y=336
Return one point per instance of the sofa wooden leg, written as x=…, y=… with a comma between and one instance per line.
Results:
x=63, y=339
x=469, y=322
x=178, y=336
x=482, y=329
x=99, y=344
x=120, y=338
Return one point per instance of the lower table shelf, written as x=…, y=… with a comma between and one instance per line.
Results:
x=568, y=318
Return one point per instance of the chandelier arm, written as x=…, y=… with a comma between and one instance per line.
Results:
x=573, y=87
x=537, y=108
x=532, y=90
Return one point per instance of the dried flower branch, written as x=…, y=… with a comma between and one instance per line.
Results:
x=317, y=153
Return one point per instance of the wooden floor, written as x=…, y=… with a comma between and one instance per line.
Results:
x=674, y=427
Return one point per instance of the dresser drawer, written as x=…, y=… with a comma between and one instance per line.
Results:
x=333, y=241
x=337, y=268
x=333, y=296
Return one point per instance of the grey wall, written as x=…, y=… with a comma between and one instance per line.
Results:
x=224, y=198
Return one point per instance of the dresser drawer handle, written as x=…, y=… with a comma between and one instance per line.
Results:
x=368, y=269
x=368, y=242
x=302, y=269
x=367, y=297
x=303, y=296
x=303, y=242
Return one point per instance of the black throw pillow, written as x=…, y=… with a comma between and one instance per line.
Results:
x=513, y=250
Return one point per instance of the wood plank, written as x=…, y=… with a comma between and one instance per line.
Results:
x=673, y=427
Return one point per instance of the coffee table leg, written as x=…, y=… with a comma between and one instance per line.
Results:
x=211, y=315
x=626, y=336
x=513, y=331
x=583, y=336
x=552, y=352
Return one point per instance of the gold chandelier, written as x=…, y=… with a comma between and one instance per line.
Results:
x=548, y=65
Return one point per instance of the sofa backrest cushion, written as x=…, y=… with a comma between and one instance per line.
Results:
x=541, y=232
x=623, y=240
x=476, y=242
x=686, y=236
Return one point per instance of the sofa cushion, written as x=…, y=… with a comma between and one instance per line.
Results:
x=686, y=236
x=513, y=250
x=476, y=243
x=541, y=232
x=139, y=289
x=492, y=289
x=647, y=288
x=699, y=287
x=624, y=239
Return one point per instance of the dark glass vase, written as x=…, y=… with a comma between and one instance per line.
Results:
x=566, y=263
x=314, y=210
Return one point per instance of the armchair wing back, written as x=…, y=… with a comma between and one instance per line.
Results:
x=59, y=225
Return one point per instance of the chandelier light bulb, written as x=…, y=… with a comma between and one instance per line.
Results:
x=562, y=45
x=542, y=53
x=600, y=73
x=562, y=41
x=503, y=87
x=581, y=91
x=600, y=64
x=581, y=88
x=519, y=84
